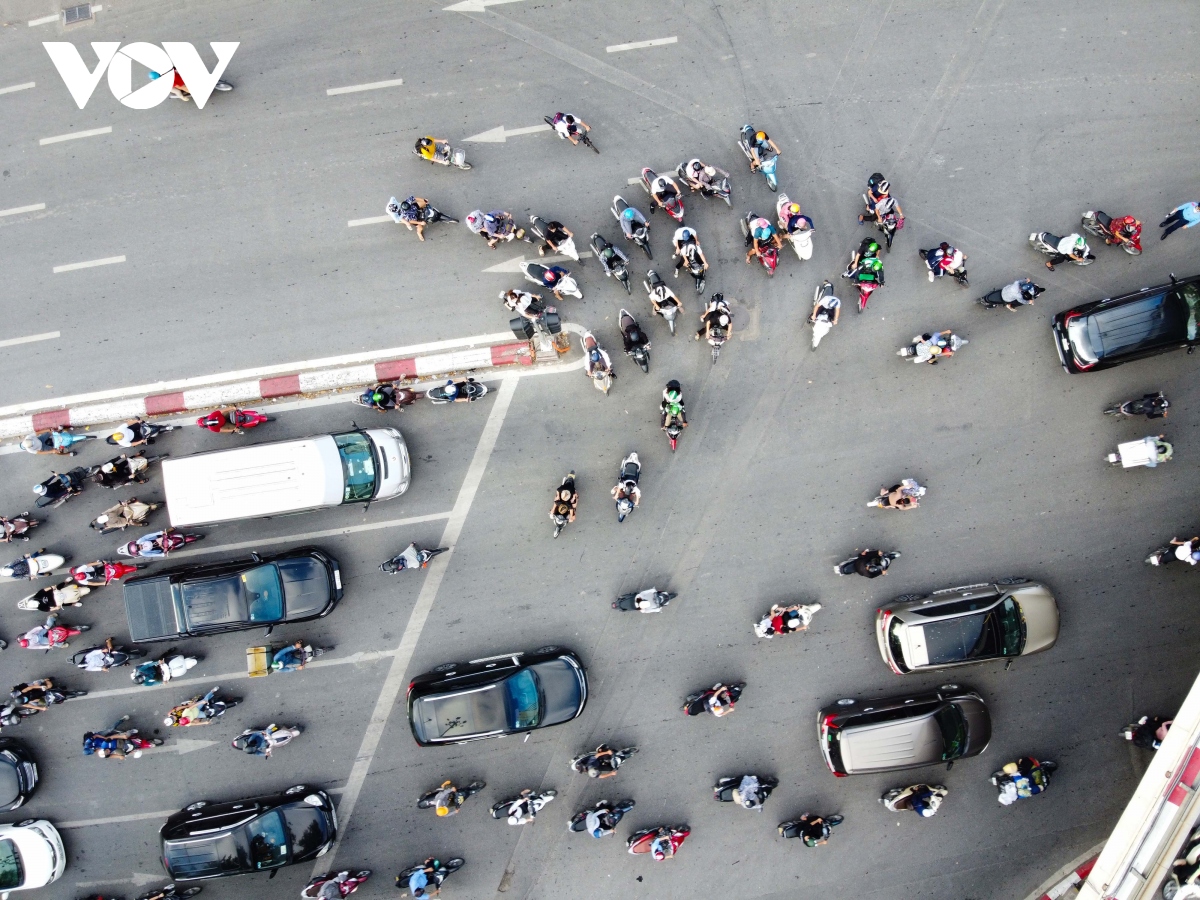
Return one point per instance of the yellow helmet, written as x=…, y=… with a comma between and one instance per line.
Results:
x=443, y=810
x=794, y=208
x=760, y=136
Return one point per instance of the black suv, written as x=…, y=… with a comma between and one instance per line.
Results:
x=495, y=696
x=1106, y=333
x=211, y=840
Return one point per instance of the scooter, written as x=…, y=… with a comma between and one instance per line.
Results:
x=630, y=473
x=667, y=304
x=143, y=431
x=795, y=828
x=656, y=601
x=865, y=290
x=640, y=351
x=613, y=812
x=640, y=229
x=157, y=548
x=959, y=274
x=441, y=871
x=307, y=654
x=768, y=255
x=429, y=214
x=39, y=564
x=445, y=155
x=717, y=336
x=719, y=189
x=240, y=419
x=766, y=166
x=565, y=284
x=561, y=519
x=62, y=486
x=128, y=513
x=952, y=344
x=900, y=799
x=168, y=892
x=723, y=790
x=1023, y=779
x=801, y=241
x=673, y=204
x=116, y=657
x=674, y=429
x=1166, y=554
x=55, y=599
x=580, y=764
x=795, y=620
x=597, y=365
x=213, y=709
x=131, y=746
x=616, y=268
x=523, y=809
x=411, y=557
x=1100, y=224
x=168, y=667
x=1149, y=451
x=381, y=400
x=697, y=704
x=347, y=883
x=822, y=319
x=538, y=226
x=891, y=498
x=848, y=566
x=428, y=799
x=1152, y=406
x=471, y=388
x=263, y=741
x=1047, y=243
x=695, y=267
x=642, y=841
x=16, y=528
x=178, y=95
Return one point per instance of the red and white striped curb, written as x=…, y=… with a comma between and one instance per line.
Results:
x=276, y=386
x=1076, y=878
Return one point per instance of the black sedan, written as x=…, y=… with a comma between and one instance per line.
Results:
x=18, y=774
x=1106, y=333
x=293, y=586
x=211, y=840
x=495, y=696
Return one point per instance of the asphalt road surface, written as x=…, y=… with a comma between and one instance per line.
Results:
x=991, y=120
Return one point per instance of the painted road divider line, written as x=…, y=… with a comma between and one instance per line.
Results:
x=45, y=20
x=17, y=210
x=372, y=86
x=90, y=264
x=75, y=135
x=18, y=87
x=642, y=45
x=475, y=5
x=29, y=339
x=373, y=220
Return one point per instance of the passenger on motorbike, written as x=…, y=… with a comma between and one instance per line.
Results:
x=291, y=658
x=715, y=315
x=932, y=347
x=569, y=127
x=671, y=408
x=498, y=226
x=760, y=146
x=793, y=221
x=762, y=235
x=1071, y=248
x=943, y=260
x=878, y=187
x=382, y=397
x=746, y=793
x=524, y=304
x=123, y=514
x=109, y=744
x=687, y=243
x=47, y=635
x=121, y=470
x=868, y=248
x=662, y=189
x=720, y=702
x=633, y=337
x=196, y=711
x=627, y=490
x=100, y=659
x=556, y=233
x=701, y=177
x=419, y=882
x=566, y=499
x=552, y=277
x=868, y=270
x=411, y=212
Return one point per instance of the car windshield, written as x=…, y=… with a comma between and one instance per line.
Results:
x=1191, y=297
x=521, y=700
x=954, y=731
x=306, y=829
x=11, y=873
x=358, y=465
x=1012, y=627
x=268, y=841
x=1081, y=346
x=253, y=596
x=963, y=638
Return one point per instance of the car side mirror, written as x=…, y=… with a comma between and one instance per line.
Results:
x=949, y=765
x=1191, y=349
x=270, y=628
x=274, y=872
x=1008, y=665
x=254, y=556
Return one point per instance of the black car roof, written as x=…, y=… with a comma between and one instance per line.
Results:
x=226, y=567
x=1141, y=321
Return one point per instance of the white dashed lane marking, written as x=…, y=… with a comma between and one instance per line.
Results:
x=372, y=86
x=17, y=210
x=18, y=87
x=642, y=45
x=45, y=336
x=90, y=264
x=75, y=135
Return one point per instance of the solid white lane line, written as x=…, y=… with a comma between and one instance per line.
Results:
x=200, y=550
x=90, y=264
x=373, y=86
x=17, y=210
x=394, y=681
x=373, y=220
x=45, y=20
x=74, y=135
x=47, y=336
x=641, y=45
x=18, y=87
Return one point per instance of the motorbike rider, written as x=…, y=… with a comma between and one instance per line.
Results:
x=498, y=226
x=599, y=764
x=785, y=620
x=1071, y=248
x=381, y=397
x=196, y=711
x=761, y=235
x=109, y=744
x=814, y=830
x=720, y=702
x=1155, y=406
x=597, y=364
x=760, y=145
x=291, y=658
x=100, y=659
x=51, y=599
x=552, y=277
x=153, y=672
x=747, y=793
x=10, y=530
x=154, y=545
x=793, y=221
x=870, y=563
x=662, y=296
x=1123, y=230
x=627, y=490
x=57, y=440
x=222, y=421
x=633, y=337
x=828, y=308
x=122, y=515
x=134, y=433
x=427, y=148
x=904, y=495
x=566, y=499
x=611, y=258
x=25, y=567
x=932, y=347
x=701, y=177
x=662, y=189
x=457, y=392
x=880, y=202
x=660, y=847
x=423, y=882
x=1187, y=551
x=556, y=233
x=1021, y=779
x=410, y=213
x=671, y=408
x=47, y=635
x=1148, y=732
x=568, y=126
x=1021, y=292
x=121, y=470
x=943, y=260
x=521, y=810
x=632, y=221
x=687, y=244
x=56, y=487
x=448, y=800
x=868, y=248
x=715, y=315
x=599, y=821
x=523, y=303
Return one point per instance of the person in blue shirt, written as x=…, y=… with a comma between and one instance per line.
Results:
x=419, y=881
x=1184, y=216
x=290, y=659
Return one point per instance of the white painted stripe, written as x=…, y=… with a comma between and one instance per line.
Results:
x=641, y=45
x=222, y=394
x=394, y=681
x=90, y=264
x=373, y=220
x=17, y=210
x=18, y=87
x=372, y=86
x=15, y=427
x=45, y=20
x=74, y=135
x=112, y=411
x=454, y=362
x=637, y=180
x=329, y=379
x=183, y=384
x=47, y=336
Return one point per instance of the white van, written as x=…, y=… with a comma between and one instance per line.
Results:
x=286, y=477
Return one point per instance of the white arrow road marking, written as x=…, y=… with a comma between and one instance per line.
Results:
x=75, y=135
x=372, y=86
x=373, y=220
x=498, y=135
x=138, y=879
x=181, y=747
x=475, y=5
x=514, y=265
x=642, y=45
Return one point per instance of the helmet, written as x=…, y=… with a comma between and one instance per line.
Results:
x=873, y=248
x=1080, y=243
x=443, y=810
x=628, y=213
x=686, y=234
x=673, y=395
x=32, y=443
x=598, y=832
x=39, y=489
x=7, y=572
x=406, y=205
x=760, y=136
x=944, y=247
x=874, y=264
x=674, y=409
x=884, y=186
x=710, y=171
x=659, y=855
x=138, y=678
x=24, y=642
x=634, y=335
x=697, y=166
x=723, y=321
x=595, y=356
x=425, y=142
x=794, y=208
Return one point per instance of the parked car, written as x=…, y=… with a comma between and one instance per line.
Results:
x=31, y=856
x=211, y=840
x=495, y=696
x=293, y=586
x=18, y=774
x=1147, y=322
x=894, y=733
x=960, y=626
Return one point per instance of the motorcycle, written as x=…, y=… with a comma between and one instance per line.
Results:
x=725, y=788
x=115, y=658
x=1047, y=243
x=16, y=528
x=62, y=486
x=786, y=619
x=636, y=338
x=427, y=215
x=1168, y=553
x=697, y=704
x=102, y=572
x=694, y=265
x=610, y=814
x=1181, y=883
x=662, y=298
x=1152, y=406
x=169, y=892
x=564, y=285
x=471, y=388
x=904, y=495
x=386, y=396
x=597, y=365
x=347, y=883
x=639, y=229
x=865, y=290
x=581, y=134
x=562, y=518
x=411, y=557
x=55, y=599
x=929, y=348
x=795, y=828
x=207, y=708
x=900, y=799
x=1148, y=451
x=719, y=189
x=524, y=808
x=538, y=226
x=674, y=429
x=822, y=318
x=13, y=713
x=156, y=545
x=429, y=799
x=177, y=94
x=801, y=240
x=131, y=746
x=585, y=762
x=305, y=654
x=264, y=741
x=630, y=473
x=643, y=841
x=121, y=470
x=717, y=336
x=445, y=155
x=959, y=274
x=123, y=515
x=767, y=255
x=219, y=420
x=650, y=601
x=58, y=440
x=673, y=204
x=169, y=666
x=766, y=166
x=441, y=871
x=850, y=566
x=33, y=565
x=1023, y=779
x=141, y=431
x=1096, y=222
x=616, y=267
